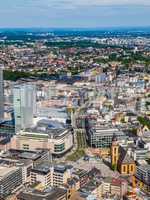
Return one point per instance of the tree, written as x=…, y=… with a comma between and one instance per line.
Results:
x=114, y=167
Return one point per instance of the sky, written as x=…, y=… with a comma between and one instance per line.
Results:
x=74, y=13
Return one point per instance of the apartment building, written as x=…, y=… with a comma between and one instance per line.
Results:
x=10, y=179
x=51, y=175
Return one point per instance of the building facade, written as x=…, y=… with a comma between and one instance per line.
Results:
x=10, y=179
x=100, y=137
x=143, y=177
x=57, y=141
x=56, y=175
x=24, y=106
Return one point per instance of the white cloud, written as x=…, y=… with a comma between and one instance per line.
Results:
x=71, y=3
x=99, y=2
x=68, y=4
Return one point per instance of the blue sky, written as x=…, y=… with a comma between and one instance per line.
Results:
x=74, y=13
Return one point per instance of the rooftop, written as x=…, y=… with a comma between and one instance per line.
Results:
x=44, y=168
x=46, y=128
x=144, y=167
x=48, y=194
x=105, y=131
x=23, y=154
x=6, y=170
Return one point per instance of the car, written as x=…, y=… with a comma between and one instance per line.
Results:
x=86, y=158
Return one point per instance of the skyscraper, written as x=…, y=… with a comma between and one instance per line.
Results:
x=1, y=95
x=24, y=105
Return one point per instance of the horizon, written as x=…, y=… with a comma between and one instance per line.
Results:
x=79, y=28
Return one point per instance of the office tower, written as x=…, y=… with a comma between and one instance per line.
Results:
x=24, y=106
x=1, y=95
x=52, y=89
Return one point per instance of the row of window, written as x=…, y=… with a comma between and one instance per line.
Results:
x=59, y=147
x=127, y=168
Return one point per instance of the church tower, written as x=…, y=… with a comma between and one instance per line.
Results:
x=114, y=152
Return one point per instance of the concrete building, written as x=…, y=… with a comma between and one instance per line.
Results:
x=143, y=176
x=114, y=186
x=92, y=190
x=101, y=137
x=51, y=175
x=24, y=106
x=58, y=140
x=139, y=153
x=47, y=194
x=25, y=160
x=52, y=91
x=34, y=156
x=10, y=179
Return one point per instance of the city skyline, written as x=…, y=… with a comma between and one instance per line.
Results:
x=74, y=100
x=67, y=13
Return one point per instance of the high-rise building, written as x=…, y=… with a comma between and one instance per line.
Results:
x=51, y=90
x=24, y=105
x=1, y=95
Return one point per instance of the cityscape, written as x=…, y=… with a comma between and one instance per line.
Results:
x=74, y=104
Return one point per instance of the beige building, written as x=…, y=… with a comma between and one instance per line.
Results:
x=58, y=141
x=114, y=186
x=51, y=175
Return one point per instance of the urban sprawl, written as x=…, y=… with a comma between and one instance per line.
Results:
x=74, y=115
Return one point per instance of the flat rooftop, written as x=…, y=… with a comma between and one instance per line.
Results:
x=106, y=131
x=144, y=167
x=6, y=170
x=44, y=168
x=46, y=128
x=29, y=155
x=48, y=194
x=45, y=132
x=23, y=154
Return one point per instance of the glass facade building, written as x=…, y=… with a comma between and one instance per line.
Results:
x=24, y=106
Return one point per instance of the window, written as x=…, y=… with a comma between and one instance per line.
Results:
x=59, y=147
x=26, y=146
x=124, y=168
x=131, y=168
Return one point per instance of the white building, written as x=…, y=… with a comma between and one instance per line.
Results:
x=24, y=106
x=54, y=175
